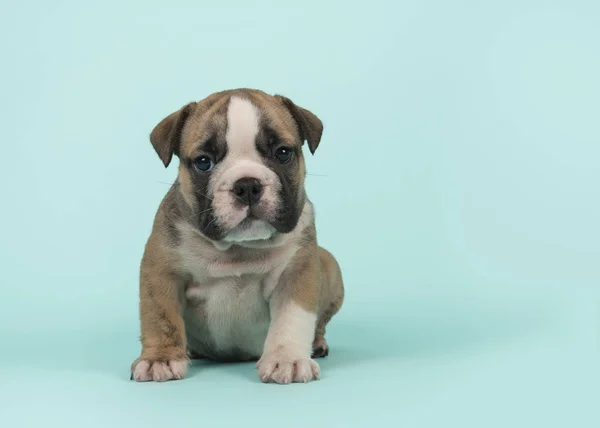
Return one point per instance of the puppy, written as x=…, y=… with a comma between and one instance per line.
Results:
x=232, y=270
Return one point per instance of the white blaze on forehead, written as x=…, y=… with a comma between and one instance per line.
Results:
x=242, y=126
x=243, y=160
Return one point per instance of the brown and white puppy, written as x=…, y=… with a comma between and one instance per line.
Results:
x=232, y=270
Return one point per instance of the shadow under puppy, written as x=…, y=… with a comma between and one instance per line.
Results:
x=232, y=270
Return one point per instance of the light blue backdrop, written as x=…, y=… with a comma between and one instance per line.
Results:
x=457, y=183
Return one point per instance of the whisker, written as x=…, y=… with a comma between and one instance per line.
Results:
x=204, y=211
x=211, y=222
x=195, y=214
x=206, y=196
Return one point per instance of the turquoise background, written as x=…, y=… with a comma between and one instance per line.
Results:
x=457, y=183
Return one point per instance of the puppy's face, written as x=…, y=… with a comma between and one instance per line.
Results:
x=242, y=170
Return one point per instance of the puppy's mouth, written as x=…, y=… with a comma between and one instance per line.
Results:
x=248, y=223
x=251, y=228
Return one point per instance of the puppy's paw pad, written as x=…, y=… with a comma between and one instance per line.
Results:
x=158, y=371
x=277, y=370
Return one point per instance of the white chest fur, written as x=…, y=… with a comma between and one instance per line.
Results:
x=235, y=312
x=233, y=291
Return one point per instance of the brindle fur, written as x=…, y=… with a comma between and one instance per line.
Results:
x=179, y=260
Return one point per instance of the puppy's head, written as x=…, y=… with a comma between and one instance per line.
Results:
x=241, y=169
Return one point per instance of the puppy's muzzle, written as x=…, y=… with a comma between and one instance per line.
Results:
x=248, y=190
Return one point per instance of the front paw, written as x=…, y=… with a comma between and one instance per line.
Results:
x=145, y=370
x=279, y=368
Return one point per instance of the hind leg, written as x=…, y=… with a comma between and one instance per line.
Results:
x=333, y=297
x=320, y=348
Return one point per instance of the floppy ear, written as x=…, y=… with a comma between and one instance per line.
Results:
x=165, y=136
x=309, y=125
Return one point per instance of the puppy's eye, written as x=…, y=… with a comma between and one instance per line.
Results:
x=204, y=163
x=283, y=154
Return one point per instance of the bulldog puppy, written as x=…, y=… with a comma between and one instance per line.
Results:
x=232, y=270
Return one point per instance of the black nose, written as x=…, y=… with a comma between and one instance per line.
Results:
x=248, y=190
